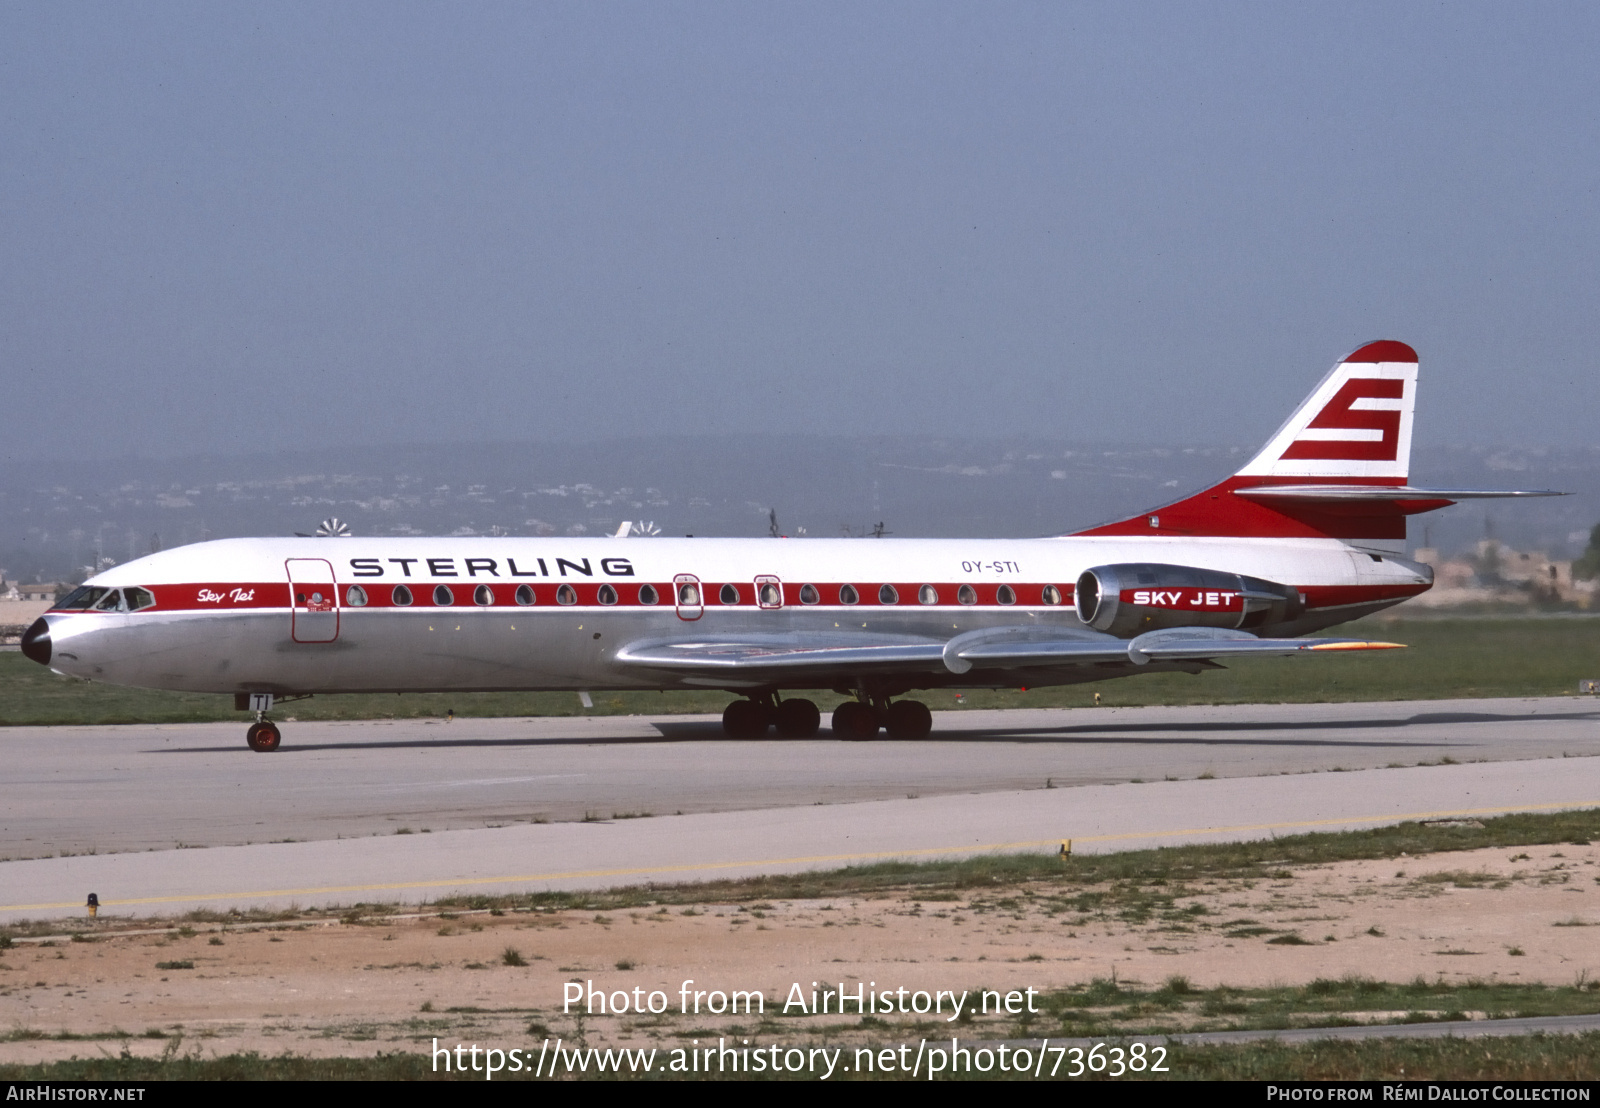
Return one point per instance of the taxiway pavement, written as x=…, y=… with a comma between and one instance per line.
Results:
x=131, y=788
x=1021, y=780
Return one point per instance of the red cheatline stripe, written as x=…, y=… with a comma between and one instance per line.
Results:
x=233, y=596
x=244, y=596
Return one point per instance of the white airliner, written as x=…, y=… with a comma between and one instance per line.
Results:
x=1309, y=534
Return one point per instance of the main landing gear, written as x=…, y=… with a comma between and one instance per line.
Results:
x=856, y=720
x=749, y=719
x=902, y=719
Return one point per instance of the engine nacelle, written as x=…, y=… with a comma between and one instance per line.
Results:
x=1132, y=598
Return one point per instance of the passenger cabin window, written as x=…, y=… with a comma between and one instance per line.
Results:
x=1005, y=594
x=771, y=595
x=138, y=599
x=442, y=596
x=887, y=595
x=401, y=597
x=927, y=594
x=525, y=595
x=483, y=595
x=967, y=595
x=607, y=595
x=355, y=597
x=848, y=594
x=688, y=595
x=809, y=594
x=729, y=594
x=566, y=594
x=1052, y=595
x=648, y=595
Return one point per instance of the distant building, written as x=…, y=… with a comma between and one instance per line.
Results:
x=39, y=590
x=1497, y=574
x=20, y=605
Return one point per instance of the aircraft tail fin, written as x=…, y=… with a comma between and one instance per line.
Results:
x=1352, y=436
x=1355, y=426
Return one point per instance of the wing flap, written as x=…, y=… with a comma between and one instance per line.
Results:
x=1205, y=643
x=1019, y=647
x=799, y=650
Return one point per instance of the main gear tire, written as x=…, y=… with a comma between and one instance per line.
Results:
x=855, y=721
x=745, y=719
x=798, y=719
x=908, y=719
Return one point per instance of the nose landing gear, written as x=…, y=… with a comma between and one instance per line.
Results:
x=263, y=736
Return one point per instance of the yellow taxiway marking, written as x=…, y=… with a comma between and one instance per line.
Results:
x=693, y=867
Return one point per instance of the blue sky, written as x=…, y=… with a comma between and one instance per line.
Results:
x=301, y=225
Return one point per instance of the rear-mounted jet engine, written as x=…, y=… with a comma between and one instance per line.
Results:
x=1130, y=599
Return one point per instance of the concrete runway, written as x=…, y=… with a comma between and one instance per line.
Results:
x=409, y=868
x=106, y=789
x=987, y=781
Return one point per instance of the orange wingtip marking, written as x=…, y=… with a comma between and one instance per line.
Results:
x=1359, y=646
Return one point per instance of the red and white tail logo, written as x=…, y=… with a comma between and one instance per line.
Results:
x=1355, y=424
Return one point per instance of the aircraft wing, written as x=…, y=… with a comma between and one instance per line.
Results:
x=1032, y=647
x=743, y=657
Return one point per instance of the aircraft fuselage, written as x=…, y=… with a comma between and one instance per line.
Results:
x=293, y=616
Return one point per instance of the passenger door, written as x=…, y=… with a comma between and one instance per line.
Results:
x=769, y=592
x=313, y=599
x=686, y=595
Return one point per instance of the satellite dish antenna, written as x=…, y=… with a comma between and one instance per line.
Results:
x=333, y=528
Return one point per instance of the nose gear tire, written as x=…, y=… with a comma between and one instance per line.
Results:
x=263, y=737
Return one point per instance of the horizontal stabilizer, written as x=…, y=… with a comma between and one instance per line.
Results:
x=1382, y=492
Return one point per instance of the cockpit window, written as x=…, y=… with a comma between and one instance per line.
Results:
x=138, y=599
x=80, y=599
x=111, y=602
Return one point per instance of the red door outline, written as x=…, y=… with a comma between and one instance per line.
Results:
x=768, y=586
x=313, y=600
x=682, y=582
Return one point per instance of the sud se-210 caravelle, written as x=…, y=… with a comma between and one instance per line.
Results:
x=1309, y=534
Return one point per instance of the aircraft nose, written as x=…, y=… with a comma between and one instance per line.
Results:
x=36, y=641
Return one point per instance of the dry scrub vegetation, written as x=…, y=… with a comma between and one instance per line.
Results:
x=1407, y=923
